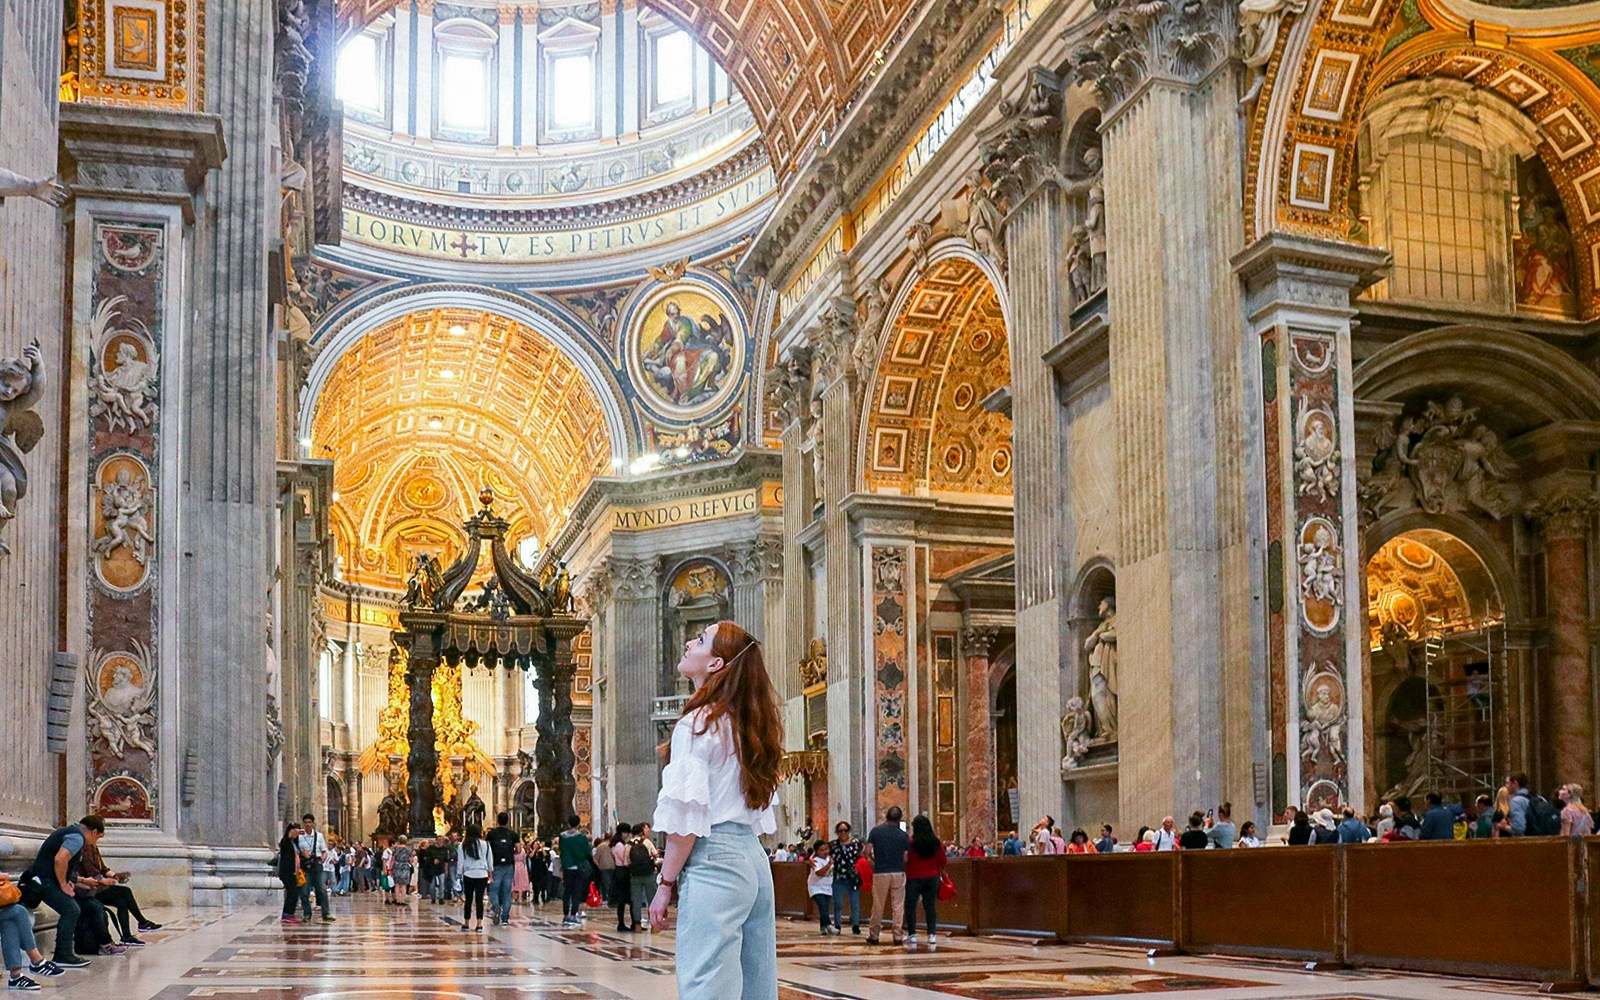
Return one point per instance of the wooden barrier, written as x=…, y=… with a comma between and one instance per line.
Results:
x=1273, y=903
x=1480, y=908
x=1515, y=909
x=1025, y=895
x=1122, y=898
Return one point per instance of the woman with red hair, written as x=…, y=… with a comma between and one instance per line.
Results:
x=716, y=799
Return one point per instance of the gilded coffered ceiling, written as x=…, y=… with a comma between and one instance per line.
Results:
x=798, y=63
x=423, y=412
x=945, y=352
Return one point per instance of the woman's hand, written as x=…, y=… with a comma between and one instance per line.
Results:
x=658, y=908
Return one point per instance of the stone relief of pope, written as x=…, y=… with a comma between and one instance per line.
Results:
x=122, y=714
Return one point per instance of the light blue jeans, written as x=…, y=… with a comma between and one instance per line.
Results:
x=500, y=892
x=727, y=936
x=16, y=934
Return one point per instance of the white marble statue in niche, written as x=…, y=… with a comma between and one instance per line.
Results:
x=1102, y=647
x=124, y=504
x=122, y=715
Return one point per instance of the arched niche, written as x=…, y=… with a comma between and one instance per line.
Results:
x=696, y=592
x=1093, y=600
x=1436, y=631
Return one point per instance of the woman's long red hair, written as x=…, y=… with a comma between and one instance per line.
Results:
x=742, y=690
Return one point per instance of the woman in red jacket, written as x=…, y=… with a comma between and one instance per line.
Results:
x=924, y=862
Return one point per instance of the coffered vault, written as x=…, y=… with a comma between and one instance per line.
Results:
x=797, y=62
x=427, y=409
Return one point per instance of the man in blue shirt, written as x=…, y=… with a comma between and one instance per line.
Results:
x=1437, y=823
x=56, y=871
x=1012, y=846
x=886, y=848
x=1352, y=830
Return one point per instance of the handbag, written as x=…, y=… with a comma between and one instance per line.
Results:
x=947, y=887
x=594, y=899
x=299, y=876
x=864, y=874
x=10, y=894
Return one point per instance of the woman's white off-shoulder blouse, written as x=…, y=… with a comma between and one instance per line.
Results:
x=701, y=786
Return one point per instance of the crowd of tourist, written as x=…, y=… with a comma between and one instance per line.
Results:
x=90, y=900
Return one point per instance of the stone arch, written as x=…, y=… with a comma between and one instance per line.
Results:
x=1341, y=53
x=352, y=324
x=944, y=349
x=1513, y=371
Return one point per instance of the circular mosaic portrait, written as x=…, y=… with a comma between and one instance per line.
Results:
x=686, y=349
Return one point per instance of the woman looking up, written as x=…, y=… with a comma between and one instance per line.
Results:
x=716, y=798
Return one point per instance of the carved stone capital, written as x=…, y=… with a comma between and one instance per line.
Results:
x=635, y=579
x=978, y=641
x=1566, y=513
x=1022, y=150
x=744, y=562
x=789, y=385
x=1180, y=40
x=831, y=338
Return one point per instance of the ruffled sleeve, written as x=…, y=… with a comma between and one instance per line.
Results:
x=684, y=805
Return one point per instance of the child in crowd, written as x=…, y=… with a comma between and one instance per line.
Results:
x=819, y=884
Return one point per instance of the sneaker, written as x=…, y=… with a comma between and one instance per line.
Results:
x=132, y=943
x=70, y=963
x=933, y=942
x=46, y=968
x=290, y=920
x=872, y=939
x=328, y=918
x=149, y=925
x=854, y=929
x=113, y=949
x=22, y=983
x=911, y=942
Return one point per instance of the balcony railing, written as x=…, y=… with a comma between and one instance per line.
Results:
x=668, y=709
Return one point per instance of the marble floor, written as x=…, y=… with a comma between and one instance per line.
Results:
x=374, y=952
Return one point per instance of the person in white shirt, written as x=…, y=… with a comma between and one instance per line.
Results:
x=313, y=847
x=473, y=861
x=819, y=884
x=716, y=799
x=782, y=854
x=1167, y=837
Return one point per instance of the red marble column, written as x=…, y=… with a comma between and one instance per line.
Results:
x=1566, y=520
x=978, y=763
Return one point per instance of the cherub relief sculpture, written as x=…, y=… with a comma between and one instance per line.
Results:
x=1320, y=575
x=124, y=504
x=1074, y=733
x=22, y=383
x=1316, y=458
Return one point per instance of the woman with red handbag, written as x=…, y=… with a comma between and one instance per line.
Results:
x=925, y=863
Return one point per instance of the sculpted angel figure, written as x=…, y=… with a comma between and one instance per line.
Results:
x=22, y=383
x=122, y=715
x=1074, y=733
x=1319, y=568
x=985, y=221
x=1259, y=21
x=124, y=502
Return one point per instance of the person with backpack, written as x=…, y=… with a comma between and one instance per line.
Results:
x=503, y=842
x=640, y=865
x=1531, y=814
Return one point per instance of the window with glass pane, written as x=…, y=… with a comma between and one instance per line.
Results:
x=464, y=92
x=360, y=82
x=674, y=67
x=572, y=91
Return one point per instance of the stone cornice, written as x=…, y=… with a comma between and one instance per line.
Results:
x=136, y=154
x=1566, y=513
x=1282, y=270
x=747, y=164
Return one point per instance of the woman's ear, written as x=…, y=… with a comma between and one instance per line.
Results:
x=715, y=666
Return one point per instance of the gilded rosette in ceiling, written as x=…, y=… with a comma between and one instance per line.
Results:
x=425, y=411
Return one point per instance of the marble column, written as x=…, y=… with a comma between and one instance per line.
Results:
x=1566, y=518
x=850, y=727
x=978, y=812
x=226, y=501
x=1021, y=153
x=1310, y=728
x=1168, y=87
x=138, y=177
x=634, y=633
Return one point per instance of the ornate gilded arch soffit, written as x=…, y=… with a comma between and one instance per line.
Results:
x=924, y=427
x=418, y=418
x=1542, y=57
x=798, y=63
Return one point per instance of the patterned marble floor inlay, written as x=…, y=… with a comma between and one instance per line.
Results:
x=374, y=952
x=1041, y=984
